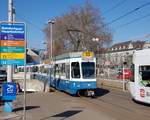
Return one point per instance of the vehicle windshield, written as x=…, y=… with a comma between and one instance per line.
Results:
x=88, y=69
x=2, y=72
x=144, y=71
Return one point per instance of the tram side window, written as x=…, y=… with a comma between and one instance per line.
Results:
x=67, y=71
x=132, y=72
x=20, y=69
x=75, y=70
x=35, y=69
x=63, y=69
x=144, y=71
x=56, y=69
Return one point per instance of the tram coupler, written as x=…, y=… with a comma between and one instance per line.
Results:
x=90, y=93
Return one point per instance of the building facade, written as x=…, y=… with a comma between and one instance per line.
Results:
x=119, y=53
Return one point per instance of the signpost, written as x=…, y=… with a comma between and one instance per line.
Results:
x=12, y=43
x=8, y=94
x=12, y=52
x=9, y=91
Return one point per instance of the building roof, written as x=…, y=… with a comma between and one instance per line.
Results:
x=127, y=45
x=32, y=52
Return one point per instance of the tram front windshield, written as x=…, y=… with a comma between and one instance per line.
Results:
x=88, y=70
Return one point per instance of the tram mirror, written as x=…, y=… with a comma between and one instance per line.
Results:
x=124, y=63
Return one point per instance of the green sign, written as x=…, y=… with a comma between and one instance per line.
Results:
x=12, y=49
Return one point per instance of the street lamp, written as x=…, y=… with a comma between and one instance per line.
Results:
x=51, y=22
x=98, y=57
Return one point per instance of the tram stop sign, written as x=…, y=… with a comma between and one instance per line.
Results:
x=9, y=91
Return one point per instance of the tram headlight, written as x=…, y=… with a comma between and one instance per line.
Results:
x=74, y=84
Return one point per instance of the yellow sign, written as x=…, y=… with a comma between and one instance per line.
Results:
x=88, y=54
x=11, y=55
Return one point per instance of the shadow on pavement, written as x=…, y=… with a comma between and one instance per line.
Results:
x=65, y=114
x=27, y=108
x=27, y=92
x=141, y=103
x=101, y=92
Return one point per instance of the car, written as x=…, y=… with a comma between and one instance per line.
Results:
x=127, y=74
x=3, y=76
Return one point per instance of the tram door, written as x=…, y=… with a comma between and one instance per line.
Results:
x=67, y=71
x=132, y=82
x=75, y=72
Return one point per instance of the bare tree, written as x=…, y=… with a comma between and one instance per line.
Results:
x=74, y=30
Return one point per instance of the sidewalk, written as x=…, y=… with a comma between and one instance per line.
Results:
x=55, y=106
x=9, y=116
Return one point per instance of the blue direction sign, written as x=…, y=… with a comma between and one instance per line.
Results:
x=12, y=32
x=12, y=28
x=12, y=36
x=9, y=91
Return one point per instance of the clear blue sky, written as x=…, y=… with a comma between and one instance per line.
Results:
x=37, y=12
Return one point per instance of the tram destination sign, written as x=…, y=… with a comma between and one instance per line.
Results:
x=12, y=43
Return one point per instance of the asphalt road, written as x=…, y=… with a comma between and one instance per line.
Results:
x=57, y=106
x=119, y=105
x=110, y=104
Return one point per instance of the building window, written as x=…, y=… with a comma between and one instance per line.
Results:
x=124, y=47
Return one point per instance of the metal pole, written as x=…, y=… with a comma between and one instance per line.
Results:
x=51, y=57
x=24, y=105
x=123, y=79
x=14, y=13
x=50, y=22
x=98, y=56
x=51, y=30
x=10, y=19
x=10, y=10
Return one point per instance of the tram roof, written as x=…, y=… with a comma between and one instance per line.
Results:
x=68, y=55
x=142, y=57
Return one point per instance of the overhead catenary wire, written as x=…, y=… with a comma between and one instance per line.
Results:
x=114, y=7
x=133, y=21
x=29, y=22
x=115, y=20
x=128, y=13
x=23, y=18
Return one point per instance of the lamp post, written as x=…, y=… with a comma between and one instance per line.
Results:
x=97, y=40
x=51, y=22
x=124, y=74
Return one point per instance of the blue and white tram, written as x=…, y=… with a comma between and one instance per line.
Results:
x=75, y=73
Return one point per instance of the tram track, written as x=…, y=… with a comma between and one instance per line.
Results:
x=122, y=109
x=117, y=92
